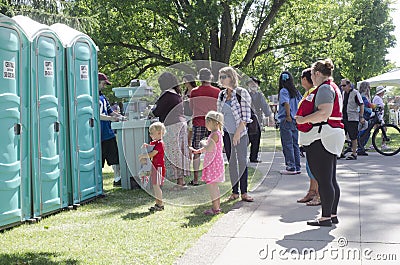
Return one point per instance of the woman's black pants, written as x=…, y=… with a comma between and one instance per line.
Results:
x=323, y=167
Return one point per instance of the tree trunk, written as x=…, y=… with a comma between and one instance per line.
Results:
x=225, y=50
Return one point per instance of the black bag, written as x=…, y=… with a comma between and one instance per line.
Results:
x=253, y=127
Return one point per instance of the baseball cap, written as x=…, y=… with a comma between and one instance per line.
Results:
x=103, y=77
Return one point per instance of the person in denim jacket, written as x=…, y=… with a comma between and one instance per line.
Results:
x=289, y=98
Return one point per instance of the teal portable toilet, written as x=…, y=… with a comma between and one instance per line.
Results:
x=49, y=120
x=15, y=190
x=84, y=114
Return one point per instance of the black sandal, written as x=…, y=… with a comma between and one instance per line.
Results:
x=326, y=222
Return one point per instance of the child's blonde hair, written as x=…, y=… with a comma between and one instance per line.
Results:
x=216, y=117
x=157, y=126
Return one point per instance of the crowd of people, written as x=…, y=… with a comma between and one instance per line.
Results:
x=216, y=117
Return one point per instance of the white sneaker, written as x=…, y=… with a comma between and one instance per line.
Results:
x=287, y=172
x=371, y=147
x=384, y=147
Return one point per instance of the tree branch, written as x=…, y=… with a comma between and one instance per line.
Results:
x=240, y=24
x=260, y=33
x=328, y=37
x=168, y=17
x=293, y=44
x=181, y=9
x=140, y=49
x=134, y=62
x=151, y=65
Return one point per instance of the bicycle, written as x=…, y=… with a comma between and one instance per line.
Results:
x=385, y=137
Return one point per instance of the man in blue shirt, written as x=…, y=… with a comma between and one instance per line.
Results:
x=109, y=148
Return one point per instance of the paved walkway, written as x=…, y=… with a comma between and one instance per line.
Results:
x=273, y=229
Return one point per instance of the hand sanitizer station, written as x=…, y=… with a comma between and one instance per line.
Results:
x=133, y=132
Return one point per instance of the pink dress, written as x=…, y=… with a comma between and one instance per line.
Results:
x=214, y=170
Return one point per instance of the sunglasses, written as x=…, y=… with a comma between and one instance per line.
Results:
x=343, y=85
x=222, y=77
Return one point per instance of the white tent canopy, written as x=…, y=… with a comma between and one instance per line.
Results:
x=391, y=78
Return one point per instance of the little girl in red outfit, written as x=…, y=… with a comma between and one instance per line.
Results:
x=157, y=175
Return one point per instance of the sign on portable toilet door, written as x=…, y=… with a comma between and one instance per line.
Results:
x=48, y=69
x=9, y=70
x=84, y=73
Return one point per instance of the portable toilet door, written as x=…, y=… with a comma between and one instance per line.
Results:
x=48, y=118
x=15, y=190
x=84, y=113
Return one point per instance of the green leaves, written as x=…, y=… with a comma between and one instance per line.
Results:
x=370, y=41
x=138, y=37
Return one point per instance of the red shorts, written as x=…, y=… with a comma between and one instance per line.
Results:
x=157, y=175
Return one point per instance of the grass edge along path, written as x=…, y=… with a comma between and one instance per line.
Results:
x=117, y=229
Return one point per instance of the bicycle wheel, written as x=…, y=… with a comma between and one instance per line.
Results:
x=386, y=139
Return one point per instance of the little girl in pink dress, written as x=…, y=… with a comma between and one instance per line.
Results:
x=213, y=165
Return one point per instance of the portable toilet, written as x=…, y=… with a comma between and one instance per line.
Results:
x=48, y=118
x=84, y=113
x=15, y=189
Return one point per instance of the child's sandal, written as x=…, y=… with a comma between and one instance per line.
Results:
x=156, y=207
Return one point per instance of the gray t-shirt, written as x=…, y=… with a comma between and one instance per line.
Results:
x=325, y=94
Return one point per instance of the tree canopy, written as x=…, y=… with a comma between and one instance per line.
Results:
x=259, y=37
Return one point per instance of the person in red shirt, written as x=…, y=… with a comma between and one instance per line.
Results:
x=157, y=175
x=319, y=120
x=202, y=100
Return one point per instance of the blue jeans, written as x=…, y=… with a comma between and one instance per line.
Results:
x=290, y=145
x=310, y=175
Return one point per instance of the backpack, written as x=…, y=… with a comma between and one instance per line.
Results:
x=253, y=127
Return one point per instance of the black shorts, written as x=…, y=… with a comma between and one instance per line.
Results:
x=199, y=133
x=109, y=152
x=351, y=127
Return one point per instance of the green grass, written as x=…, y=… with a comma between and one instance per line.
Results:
x=270, y=140
x=393, y=135
x=117, y=229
